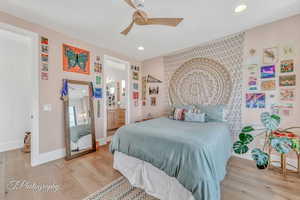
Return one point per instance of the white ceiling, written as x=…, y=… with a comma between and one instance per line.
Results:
x=100, y=21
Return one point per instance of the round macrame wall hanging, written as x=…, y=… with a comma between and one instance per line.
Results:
x=200, y=81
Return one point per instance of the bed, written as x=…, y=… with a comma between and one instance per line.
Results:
x=174, y=160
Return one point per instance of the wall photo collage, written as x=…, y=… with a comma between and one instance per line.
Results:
x=135, y=84
x=271, y=85
x=44, y=58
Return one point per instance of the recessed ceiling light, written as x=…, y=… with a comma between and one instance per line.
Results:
x=141, y=48
x=240, y=8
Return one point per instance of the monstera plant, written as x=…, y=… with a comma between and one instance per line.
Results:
x=279, y=139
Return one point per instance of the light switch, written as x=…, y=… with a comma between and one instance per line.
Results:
x=47, y=107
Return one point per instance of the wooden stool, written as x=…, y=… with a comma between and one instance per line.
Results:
x=283, y=162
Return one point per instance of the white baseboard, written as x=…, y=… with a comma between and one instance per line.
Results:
x=17, y=144
x=49, y=156
x=104, y=141
x=60, y=153
x=291, y=161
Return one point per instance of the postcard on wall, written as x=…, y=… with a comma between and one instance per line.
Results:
x=98, y=93
x=135, y=76
x=76, y=60
x=255, y=100
x=286, y=109
x=45, y=67
x=135, y=95
x=270, y=55
x=275, y=109
x=135, y=86
x=44, y=41
x=287, y=51
x=268, y=85
x=287, y=80
x=153, y=101
x=268, y=71
x=287, y=94
x=44, y=49
x=44, y=57
x=252, y=83
x=287, y=66
x=44, y=76
x=98, y=80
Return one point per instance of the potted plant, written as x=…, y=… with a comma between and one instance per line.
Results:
x=280, y=139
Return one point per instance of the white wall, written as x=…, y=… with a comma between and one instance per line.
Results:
x=15, y=89
x=155, y=68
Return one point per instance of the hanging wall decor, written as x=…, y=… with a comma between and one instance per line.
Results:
x=135, y=76
x=255, y=100
x=153, y=101
x=151, y=79
x=135, y=68
x=268, y=71
x=287, y=80
x=287, y=94
x=287, y=51
x=252, y=77
x=97, y=65
x=98, y=93
x=98, y=80
x=135, y=86
x=268, y=85
x=287, y=66
x=153, y=90
x=98, y=108
x=270, y=55
x=76, y=60
x=44, y=54
x=135, y=95
x=144, y=88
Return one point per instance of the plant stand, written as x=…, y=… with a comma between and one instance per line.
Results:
x=283, y=163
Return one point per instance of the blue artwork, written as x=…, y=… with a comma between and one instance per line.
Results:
x=135, y=86
x=98, y=93
x=268, y=71
x=255, y=100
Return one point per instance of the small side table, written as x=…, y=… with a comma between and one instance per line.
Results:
x=283, y=160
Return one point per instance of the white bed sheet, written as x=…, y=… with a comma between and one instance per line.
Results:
x=155, y=182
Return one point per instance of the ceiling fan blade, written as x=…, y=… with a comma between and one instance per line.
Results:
x=128, y=29
x=129, y=2
x=164, y=21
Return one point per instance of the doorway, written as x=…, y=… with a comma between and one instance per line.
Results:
x=117, y=95
x=19, y=88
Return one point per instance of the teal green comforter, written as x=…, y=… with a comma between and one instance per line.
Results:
x=196, y=154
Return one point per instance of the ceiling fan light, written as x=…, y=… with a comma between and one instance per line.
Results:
x=240, y=8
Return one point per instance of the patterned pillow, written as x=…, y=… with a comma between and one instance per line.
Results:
x=194, y=117
x=179, y=114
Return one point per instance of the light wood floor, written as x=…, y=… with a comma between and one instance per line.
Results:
x=80, y=177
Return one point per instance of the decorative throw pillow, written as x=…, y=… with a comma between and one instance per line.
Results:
x=194, y=117
x=215, y=113
x=179, y=114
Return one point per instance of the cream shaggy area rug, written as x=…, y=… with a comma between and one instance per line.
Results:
x=120, y=189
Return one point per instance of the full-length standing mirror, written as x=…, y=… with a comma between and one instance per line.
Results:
x=79, y=119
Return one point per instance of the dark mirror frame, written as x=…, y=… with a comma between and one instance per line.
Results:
x=69, y=155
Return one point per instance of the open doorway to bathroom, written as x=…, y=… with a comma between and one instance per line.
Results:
x=117, y=101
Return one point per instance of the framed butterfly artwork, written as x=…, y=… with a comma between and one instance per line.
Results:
x=76, y=60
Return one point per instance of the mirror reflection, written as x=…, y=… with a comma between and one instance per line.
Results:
x=80, y=125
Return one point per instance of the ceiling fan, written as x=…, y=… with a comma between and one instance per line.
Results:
x=141, y=18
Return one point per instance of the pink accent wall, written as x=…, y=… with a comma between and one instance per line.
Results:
x=51, y=123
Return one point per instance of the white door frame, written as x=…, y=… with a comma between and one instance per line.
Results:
x=34, y=46
x=128, y=92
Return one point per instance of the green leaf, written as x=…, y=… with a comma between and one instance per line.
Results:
x=271, y=122
x=246, y=138
x=240, y=148
x=261, y=158
x=247, y=129
x=281, y=144
x=276, y=117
